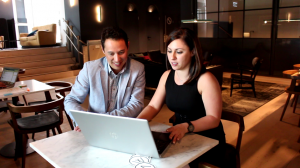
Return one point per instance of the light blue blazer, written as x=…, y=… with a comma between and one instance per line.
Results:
x=93, y=81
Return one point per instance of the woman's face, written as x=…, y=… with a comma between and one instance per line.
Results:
x=179, y=55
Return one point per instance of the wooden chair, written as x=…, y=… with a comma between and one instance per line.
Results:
x=34, y=123
x=291, y=90
x=63, y=88
x=232, y=154
x=246, y=79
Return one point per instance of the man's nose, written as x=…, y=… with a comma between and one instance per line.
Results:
x=117, y=58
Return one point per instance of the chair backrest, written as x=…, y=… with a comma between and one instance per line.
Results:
x=65, y=87
x=256, y=62
x=238, y=119
x=15, y=110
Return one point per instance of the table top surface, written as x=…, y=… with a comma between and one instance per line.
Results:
x=33, y=85
x=70, y=149
x=293, y=74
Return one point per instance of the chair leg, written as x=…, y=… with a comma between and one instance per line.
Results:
x=253, y=88
x=293, y=101
x=296, y=100
x=285, y=106
x=58, y=129
x=24, y=147
x=231, y=87
x=53, y=131
x=18, y=147
x=32, y=137
x=70, y=121
x=47, y=133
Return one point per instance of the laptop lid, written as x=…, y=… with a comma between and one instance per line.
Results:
x=9, y=75
x=123, y=134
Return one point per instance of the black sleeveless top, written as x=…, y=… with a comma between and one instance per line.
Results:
x=187, y=104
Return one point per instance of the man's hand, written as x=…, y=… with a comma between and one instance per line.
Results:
x=77, y=129
x=177, y=131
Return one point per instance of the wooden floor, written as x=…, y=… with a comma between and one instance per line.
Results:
x=267, y=142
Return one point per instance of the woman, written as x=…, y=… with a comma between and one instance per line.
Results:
x=191, y=92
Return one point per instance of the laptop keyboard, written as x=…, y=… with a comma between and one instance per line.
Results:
x=161, y=140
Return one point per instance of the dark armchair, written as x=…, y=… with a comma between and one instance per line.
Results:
x=243, y=78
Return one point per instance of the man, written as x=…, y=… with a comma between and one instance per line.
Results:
x=115, y=83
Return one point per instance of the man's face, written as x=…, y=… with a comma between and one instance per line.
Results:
x=116, y=54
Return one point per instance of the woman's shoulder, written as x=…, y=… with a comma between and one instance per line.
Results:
x=207, y=79
x=166, y=74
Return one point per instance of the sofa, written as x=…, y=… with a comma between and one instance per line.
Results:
x=40, y=36
x=155, y=66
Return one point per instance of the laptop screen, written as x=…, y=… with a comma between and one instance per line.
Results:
x=9, y=74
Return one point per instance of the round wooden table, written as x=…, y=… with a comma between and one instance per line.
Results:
x=296, y=66
x=293, y=89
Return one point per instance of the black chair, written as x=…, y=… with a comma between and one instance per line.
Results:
x=63, y=87
x=232, y=154
x=246, y=79
x=34, y=123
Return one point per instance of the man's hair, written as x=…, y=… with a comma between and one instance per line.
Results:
x=191, y=40
x=114, y=33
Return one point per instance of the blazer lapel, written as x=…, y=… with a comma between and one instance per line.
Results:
x=104, y=82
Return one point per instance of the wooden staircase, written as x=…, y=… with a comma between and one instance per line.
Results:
x=42, y=64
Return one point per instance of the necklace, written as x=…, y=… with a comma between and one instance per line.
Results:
x=181, y=81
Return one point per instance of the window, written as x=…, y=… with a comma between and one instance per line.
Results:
x=231, y=25
x=258, y=4
x=229, y=5
x=289, y=23
x=255, y=26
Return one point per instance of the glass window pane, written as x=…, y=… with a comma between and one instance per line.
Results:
x=255, y=26
x=229, y=5
x=283, y=3
x=257, y=4
x=204, y=6
x=23, y=29
x=289, y=23
x=21, y=11
x=231, y=25
x=208, y=29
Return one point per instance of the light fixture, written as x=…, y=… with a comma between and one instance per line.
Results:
x=152, y=8
x=131, y=7
x=98, y=13
x=196, y=21
x=283, y=20
x=72, y=3
x=246, y=34
x=4, y=0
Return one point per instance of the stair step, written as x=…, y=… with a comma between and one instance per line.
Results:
x=32, y=51
x=50, y=76
x=31, y=58
x=39, y=63
x=48, y=69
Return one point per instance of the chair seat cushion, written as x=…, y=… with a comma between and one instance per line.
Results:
x=36, y=121
x=238, y=77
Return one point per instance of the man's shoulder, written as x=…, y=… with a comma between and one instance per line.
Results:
x=95, y=63
x=135, y=64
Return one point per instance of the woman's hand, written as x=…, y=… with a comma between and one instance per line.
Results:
x=177, y=131
x=77, y=129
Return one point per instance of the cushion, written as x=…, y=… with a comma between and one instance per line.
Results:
x=32, y=33
x=36, y=121
x=146, y=57
x=139, y=55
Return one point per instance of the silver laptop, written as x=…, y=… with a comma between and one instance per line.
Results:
x=123, y=134
x=9, y=77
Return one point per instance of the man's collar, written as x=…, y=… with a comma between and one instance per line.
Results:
x=111, y=71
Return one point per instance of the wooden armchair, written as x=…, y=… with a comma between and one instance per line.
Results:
x=34, y=123
x=232, y=154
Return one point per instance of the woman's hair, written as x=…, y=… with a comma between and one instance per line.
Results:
x=191, y=40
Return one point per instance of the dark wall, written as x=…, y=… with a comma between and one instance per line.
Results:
x=6, y=10
x=72, y=15
x=90, y=28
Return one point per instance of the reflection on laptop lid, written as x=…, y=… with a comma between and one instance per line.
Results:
x=9, y=76
x=124, y=134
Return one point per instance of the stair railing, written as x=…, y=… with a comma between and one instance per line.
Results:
x=70, y=36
